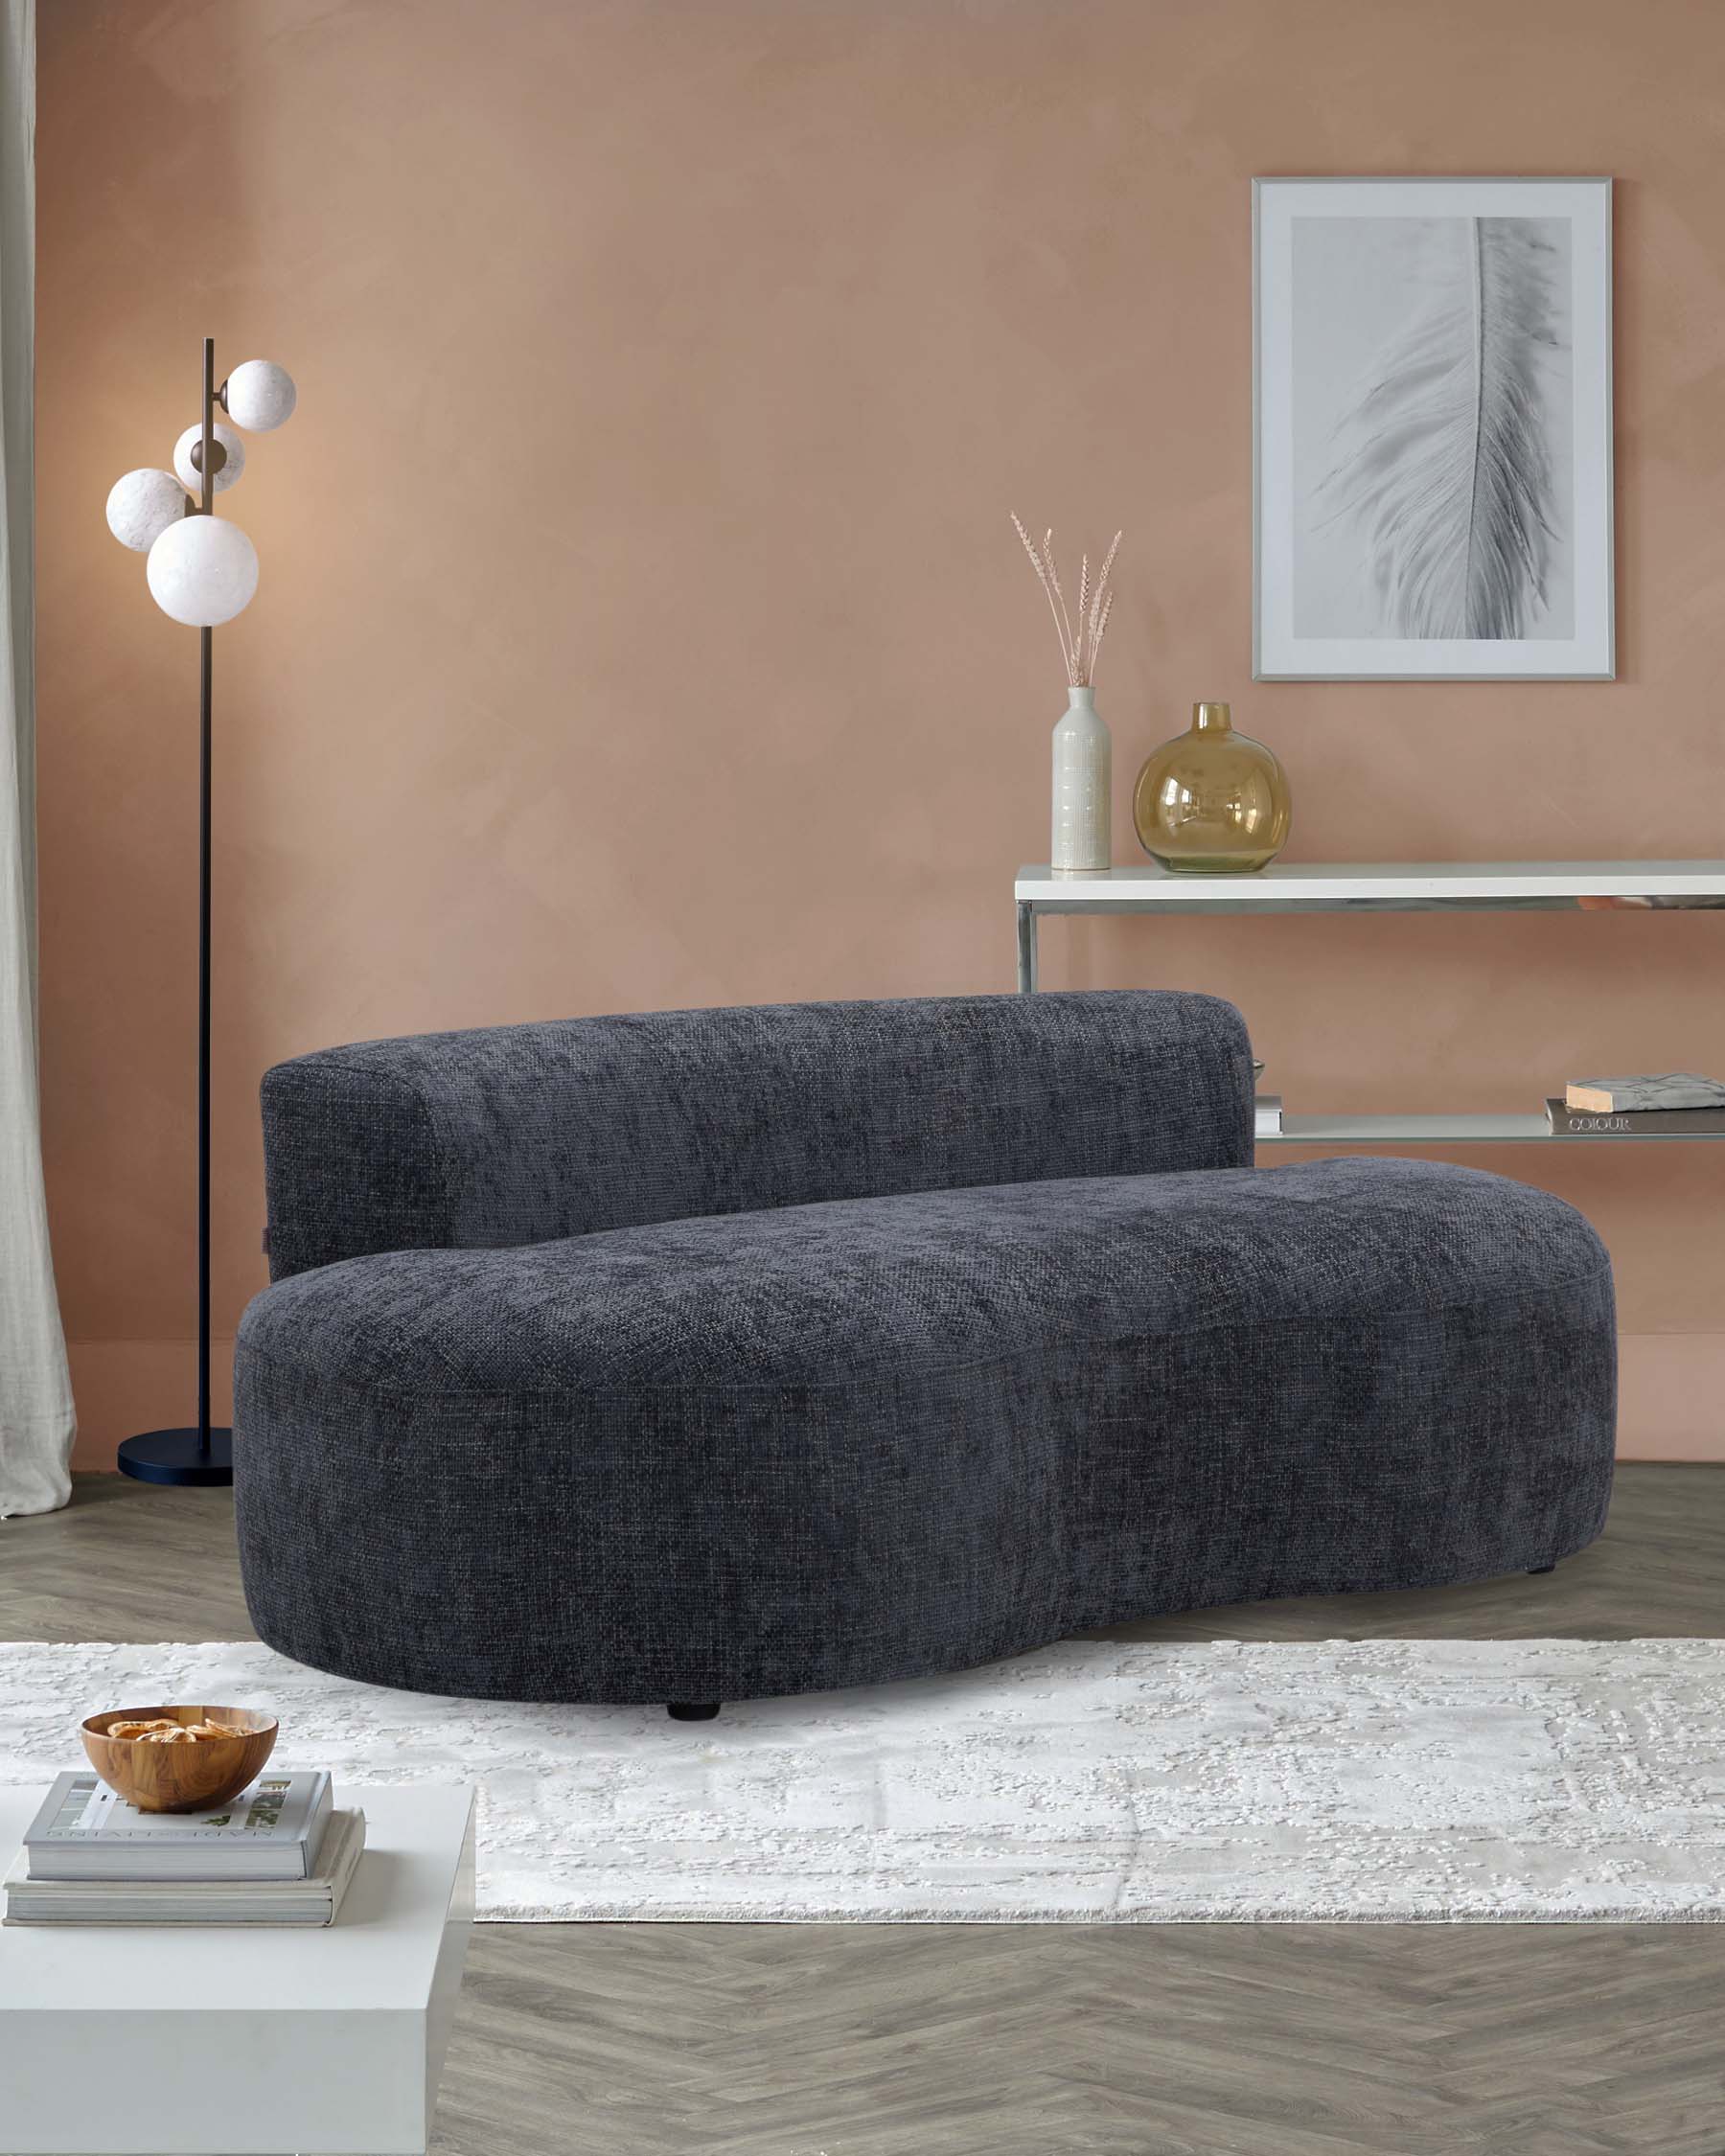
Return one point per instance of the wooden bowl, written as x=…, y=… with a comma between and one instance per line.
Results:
x=180, y=1778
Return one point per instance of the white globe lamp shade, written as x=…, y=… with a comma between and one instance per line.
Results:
x=202, y=571
x=229, y=466
x=141, y=507
x=259, y=394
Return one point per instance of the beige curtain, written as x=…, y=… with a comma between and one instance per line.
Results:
x=35, y=1394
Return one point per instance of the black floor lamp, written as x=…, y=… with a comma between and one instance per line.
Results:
x=202, y=571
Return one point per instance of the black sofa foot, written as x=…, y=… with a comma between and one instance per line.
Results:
x=1534, y=1570
x=680, y=1711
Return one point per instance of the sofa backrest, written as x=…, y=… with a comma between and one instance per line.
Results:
x=523, y=1134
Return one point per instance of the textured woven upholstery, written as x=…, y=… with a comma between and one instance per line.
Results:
x=519, y=1133
x=917, y=1334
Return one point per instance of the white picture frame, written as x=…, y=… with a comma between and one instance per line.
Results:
x=1400, y=536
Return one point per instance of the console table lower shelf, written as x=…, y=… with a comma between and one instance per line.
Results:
x=1459, y=1130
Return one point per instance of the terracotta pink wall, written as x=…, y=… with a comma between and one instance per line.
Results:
x=640, y=624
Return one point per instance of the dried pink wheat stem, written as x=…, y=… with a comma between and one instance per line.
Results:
x=1102, y=584
x=1100, y=631
x=1072, y=642
x=1043, y=578
x=1091, y=623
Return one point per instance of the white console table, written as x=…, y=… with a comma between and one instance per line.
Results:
x=1512, y=887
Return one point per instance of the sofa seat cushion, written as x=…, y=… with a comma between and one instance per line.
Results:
x=866, y=1289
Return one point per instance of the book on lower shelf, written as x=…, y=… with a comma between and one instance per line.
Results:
x=306, y=1902
x=1670, y=1122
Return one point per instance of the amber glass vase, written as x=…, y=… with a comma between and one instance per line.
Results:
x=1211, y=802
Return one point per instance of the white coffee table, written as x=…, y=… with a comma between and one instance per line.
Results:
x=119, y=2041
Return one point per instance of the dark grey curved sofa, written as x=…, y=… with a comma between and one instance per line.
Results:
x=705, y=1355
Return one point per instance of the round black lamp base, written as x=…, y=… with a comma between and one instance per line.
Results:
x=172, y=1455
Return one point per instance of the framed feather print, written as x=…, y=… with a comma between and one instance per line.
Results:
x=1432, y=436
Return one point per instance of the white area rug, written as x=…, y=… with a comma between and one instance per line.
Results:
x=1535, y=1780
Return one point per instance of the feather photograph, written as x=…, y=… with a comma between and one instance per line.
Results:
x=1432, y=429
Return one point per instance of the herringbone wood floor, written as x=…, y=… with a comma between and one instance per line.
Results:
x=1025, y=2040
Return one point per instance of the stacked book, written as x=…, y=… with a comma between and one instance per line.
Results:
x=1670, y=1103
x=1266, y=1108
x=279, y=1853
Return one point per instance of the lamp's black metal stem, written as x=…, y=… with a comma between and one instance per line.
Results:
x=206, y=637
x=203, y=1455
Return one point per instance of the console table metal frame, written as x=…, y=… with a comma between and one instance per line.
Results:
x=1552, y=886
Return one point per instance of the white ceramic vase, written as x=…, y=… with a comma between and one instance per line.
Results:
x=1083, y=787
